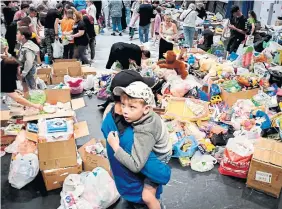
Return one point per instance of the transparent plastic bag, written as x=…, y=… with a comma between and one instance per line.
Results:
x=58, y=49
x=23, y=169
x=202, y=163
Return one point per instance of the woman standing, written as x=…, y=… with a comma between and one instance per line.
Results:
x=116, y=14
x=189, y=17
x=252, y=20
x=134, y=17
x=168, y=32
x=80, y=38
x=67, y=27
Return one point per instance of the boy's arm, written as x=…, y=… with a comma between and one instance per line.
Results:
x=142, y=147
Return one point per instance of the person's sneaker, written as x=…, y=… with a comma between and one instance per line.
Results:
x=120, y=34
x=113, y=34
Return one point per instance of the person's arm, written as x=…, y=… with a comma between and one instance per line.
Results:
x=56, y=24
x=161, y=31
x=21, y=100
x=183, y=15
x=253, y=29
x=28, y=64
x=237, y=29
x=80, y=33
x=141, y=149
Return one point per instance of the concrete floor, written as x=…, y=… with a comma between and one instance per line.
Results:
x=187, y=189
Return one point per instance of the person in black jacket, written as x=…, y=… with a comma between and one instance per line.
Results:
x=11, y=26
x=201, y=11
x=124, y=52
x=89, y=24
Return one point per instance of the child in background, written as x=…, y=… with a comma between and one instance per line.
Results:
x=157, y=24
x=150, y=133
x=67, y=25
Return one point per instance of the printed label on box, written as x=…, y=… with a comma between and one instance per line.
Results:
x=263, y=177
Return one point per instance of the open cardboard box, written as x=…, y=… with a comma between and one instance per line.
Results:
x=265, y=173
x=44, y=74
x=5, y=117
x=71, y=67
x=91, y=161
x=231, y=98
x=87, y=70
x=60, y=154
x=6, y=140
x=55, y=178
x=58, y=95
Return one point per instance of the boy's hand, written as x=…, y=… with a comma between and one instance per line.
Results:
x=113, y=140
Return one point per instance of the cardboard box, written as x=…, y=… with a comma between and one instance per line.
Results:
x=57, y=79
x=6, y=140
x=91, y=161
x=231, y=98
x=44, y=74
x=5, y=117
x=86, y=70
x=72, y=68
x=265, y=172
x=65, y=60
x=61, y=154
x=55, y=178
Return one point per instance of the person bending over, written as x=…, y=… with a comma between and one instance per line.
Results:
x=150, y=134
x=207, y=39
x=124, y=52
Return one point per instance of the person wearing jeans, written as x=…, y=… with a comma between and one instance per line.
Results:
x=189, y=17
x=115, y=8
x=127, y=5
x=146, y=13
x=144, y=33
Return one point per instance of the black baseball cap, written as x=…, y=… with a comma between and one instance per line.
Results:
x=126, y=77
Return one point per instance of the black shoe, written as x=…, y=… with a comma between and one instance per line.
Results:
x=120, y=34
x=113, y=34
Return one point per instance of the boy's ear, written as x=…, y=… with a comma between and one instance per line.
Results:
x=147, y=109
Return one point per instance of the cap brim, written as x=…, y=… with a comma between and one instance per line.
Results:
x=118, y=91
x=149, y=81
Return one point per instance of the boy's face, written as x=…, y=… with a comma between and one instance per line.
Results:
x=132, y=109
x=19, y=36
x=33, y=14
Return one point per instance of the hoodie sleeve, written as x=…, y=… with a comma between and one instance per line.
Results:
x=183, y=15
x=141, y=149
x=28, y=64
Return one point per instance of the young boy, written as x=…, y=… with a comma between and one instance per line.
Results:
x=150, y=133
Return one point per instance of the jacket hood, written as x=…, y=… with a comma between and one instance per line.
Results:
x=192, y=6
x=31, y=46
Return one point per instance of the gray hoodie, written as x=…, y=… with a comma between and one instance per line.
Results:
x=115, y=8
x=27, y=56
x=150, y=134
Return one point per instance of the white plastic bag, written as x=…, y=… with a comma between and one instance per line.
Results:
x=89, y=190
x=58, y=49
x=202, y=163
x=226, y=30
x=23, y=169
x=250, y=40
x=13, y=148
x=100, y=189
x=240, y=49
x=89, y=82
x=40, y=83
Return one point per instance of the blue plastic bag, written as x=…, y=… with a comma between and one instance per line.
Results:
x=176, y=149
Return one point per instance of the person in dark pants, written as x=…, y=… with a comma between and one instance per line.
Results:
x=66, y=26
x=51, y=27
x=123, y=52
x=207, y=40
x=238, y=29
x=11, y=26
x=146, y=13
x=81, y=39
x=89, y=24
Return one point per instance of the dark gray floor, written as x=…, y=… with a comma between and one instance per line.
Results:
x=187, y=189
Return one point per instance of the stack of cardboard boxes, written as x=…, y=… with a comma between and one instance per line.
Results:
x=62, y=67
x=265, y=173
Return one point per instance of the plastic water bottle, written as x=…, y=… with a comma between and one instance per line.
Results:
x=46, y=59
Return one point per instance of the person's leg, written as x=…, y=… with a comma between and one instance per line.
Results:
x=141, y=34
x=71, y=50
x=191, y=35
x=48, y=42
x=127, y=14
x=114, y=24
x=30, y=80
x=75, y=52
x=152, y=29
x=149, y=197
x=235, y=45
x=82, y=57
x=147, y=30
x=119, y=25
x=66, y=51
x=186, y=34
x=92, y=47
x=107, y=18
